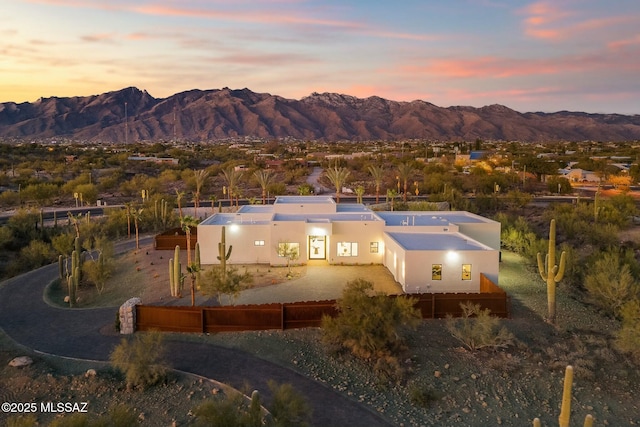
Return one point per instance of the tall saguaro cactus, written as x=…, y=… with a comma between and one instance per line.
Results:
x=223, y=253
x=551, y=272
x=565, y=408
x=177, y=272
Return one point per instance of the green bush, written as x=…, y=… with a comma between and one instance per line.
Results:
x=141, y=360
x=628, y=338
x=288, y=408
x=369, y=323
x=610, y=283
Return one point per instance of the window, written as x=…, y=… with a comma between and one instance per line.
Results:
x=466, y=271
x=373, y=247
x=347, y=249
x=436, y=271
x=289, y=250
x=258, y=243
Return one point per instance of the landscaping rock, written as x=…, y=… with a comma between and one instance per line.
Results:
x=21, y=361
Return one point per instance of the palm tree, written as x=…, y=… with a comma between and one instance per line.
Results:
x=179, y=196
x=337, y=178
x=377, y=173
x=200, y=177
x=405, y=171
x=186, y=223
x=232, y=176
x=263, y=176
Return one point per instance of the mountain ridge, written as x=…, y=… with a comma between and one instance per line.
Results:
x=213, y=114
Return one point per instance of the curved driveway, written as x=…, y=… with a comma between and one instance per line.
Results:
x=75, y=333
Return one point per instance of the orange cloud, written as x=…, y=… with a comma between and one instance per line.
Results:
x=93, y=38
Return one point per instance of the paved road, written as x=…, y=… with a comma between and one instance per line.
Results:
x=30, y=321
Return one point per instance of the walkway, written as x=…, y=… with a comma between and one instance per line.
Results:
x=27, y=319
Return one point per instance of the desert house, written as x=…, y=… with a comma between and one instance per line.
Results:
x=435, y=251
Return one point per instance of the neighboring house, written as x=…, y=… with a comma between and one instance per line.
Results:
x=580, y=175
x=438, y=251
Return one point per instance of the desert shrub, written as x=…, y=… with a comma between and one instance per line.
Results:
x=610, y=283
x=575, y=352
x=421, y=395
x=217, y=282
x=477, y=329
x=141, y=360
x=22, y=421
x=229, y=411
x=369, y=324
x=288, y=408
x=73, y=420
x=117, y=416
x=628, y=337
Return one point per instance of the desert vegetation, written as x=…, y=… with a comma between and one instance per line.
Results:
x=474, y=371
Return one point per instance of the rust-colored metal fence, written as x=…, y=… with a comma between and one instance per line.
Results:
x=175, y=237
x=298, y=314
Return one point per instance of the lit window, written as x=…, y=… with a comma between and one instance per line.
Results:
x=466, y=271
x=347, y=249
x=373, y=247
x=289, y=250
x=258, y=243
x=436, y=271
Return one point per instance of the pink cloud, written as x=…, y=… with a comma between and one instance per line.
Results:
x=547, y=21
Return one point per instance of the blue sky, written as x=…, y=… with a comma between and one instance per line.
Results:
x=581, y=55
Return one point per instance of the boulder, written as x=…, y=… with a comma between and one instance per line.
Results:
x=21, y=361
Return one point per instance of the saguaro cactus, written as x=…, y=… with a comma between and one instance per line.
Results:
x=72, y=290
x=177, y=272
x=565, y=409
x=223, y=253
x=172, y=285
x=551, y=272
x=198, y=265
x=61, y=267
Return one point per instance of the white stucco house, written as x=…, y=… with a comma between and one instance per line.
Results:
x=437, y=251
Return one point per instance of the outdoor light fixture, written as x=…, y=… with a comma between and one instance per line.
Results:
x=452, y=256
x=234, y=228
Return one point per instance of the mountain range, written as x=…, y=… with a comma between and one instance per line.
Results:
x=131, y=115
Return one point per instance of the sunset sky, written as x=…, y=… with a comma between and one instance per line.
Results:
x=581, y=55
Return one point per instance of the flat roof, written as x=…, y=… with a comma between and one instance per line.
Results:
x=255, y=209
x=329, y=217
x=352, y=207
x=437, y=242
x=304, y=200
x=232, y=218
x=431, y=218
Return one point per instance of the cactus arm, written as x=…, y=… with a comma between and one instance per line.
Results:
x=563, y=261
x=588, y=421
x=541, y=267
